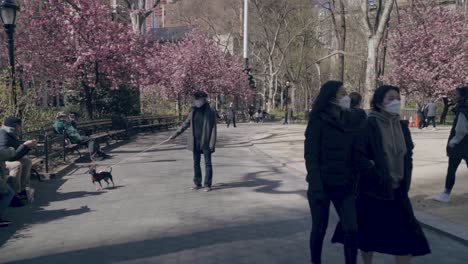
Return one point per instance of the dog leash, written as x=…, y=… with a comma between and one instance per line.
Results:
x=139, y=153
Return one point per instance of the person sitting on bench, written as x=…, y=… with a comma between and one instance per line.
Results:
x=62, y=127
x=19, y=166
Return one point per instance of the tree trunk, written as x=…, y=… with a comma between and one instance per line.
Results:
x=88, y=100
x=371, y=69
x=293, y=100
x=271, y=99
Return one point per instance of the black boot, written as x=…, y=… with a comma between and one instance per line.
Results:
x=350, y=249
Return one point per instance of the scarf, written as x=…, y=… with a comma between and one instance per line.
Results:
x=394, y=145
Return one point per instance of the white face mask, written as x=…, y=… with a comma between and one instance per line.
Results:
x=199, y=103
x=393, y=107
x=345, y=102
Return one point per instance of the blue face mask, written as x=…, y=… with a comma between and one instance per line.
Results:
x=394, y=107
x=345, y=102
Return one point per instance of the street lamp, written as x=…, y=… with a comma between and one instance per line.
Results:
x=286, y=114
x=8, y=10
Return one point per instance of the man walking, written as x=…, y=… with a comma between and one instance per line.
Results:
x=201, y=123
x=431, y=113
x=231, y=117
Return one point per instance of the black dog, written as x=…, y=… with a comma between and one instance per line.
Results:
x=102, y=175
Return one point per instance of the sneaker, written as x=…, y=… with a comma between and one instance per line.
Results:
x=443, y=197
x=195, y=187
x=207, y=189
x=434, y=129
x=4, y=222
x=105, y=156
x=30, y=195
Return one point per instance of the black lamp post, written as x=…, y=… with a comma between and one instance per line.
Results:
x=8, y=10
x=286, y=115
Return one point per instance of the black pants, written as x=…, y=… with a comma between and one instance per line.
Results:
x=345, y=205
x=93, y=148
x=422, y=121
x=197, y=179
x=451, y=171
x=429, y=119
x=229, y=120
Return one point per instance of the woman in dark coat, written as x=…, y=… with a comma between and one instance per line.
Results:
x=328, y=154
x=457, y=146
x=386, y=223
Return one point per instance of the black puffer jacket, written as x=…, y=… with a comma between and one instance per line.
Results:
x=376, y=180
x=461, y=149
x=328, y=150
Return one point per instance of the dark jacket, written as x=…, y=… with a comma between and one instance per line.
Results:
x=68, y=130
x=208, y=132
x=461, y=149
x=376, y=180
x=8, y=139
x=328, y=150
x=359, y=115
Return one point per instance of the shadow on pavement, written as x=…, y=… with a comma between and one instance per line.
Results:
x=173, y=244
x=252, y=180
x=45, y=193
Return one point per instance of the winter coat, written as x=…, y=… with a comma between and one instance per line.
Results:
x=359, y=115
x=68, y=130
x=461, y=149
x=375, y=180
x=208, y=132
x=8, y=139
x=328, y=150
x=230, y=115
x=5, y=154
x=431, y=109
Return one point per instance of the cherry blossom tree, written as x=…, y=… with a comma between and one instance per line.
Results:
x=75, y=42
x=198, y=63
x=429, y=49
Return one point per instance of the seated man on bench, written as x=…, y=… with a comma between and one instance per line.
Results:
x=19, y=166
x=63, y=127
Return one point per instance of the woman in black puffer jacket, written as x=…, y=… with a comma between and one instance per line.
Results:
x=386, y=223
x=328, y=154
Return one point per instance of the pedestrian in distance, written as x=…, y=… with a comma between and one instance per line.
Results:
x=251, y=113
x=386, y=222
x=231, y=117
x=421, y=116
x=431, y=110
x=259, y=116
x=330, y=136
x=457, y=147
x=201, y=123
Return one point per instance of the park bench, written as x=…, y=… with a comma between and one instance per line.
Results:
x=53, y=146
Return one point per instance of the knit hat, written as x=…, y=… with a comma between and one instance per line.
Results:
x=12, y=121
x=200, y=94
x=60, y=114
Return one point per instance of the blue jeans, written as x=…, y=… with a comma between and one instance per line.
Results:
x=5, y=200
x=197, y=179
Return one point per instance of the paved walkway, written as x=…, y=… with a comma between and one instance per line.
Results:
x=256, y=214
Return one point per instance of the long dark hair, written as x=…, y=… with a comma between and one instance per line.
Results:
x=327, y=93
x=379, y=96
